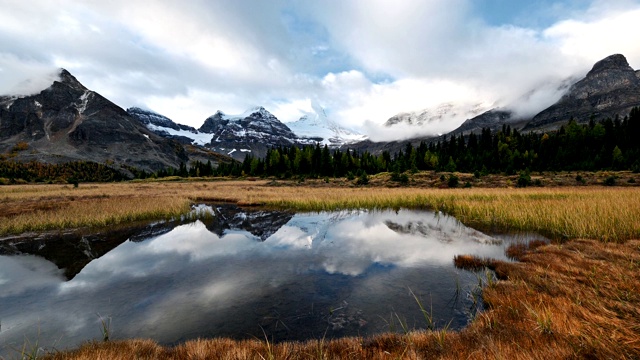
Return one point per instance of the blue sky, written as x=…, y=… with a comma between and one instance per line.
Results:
x=363, y=61
x=536, y=14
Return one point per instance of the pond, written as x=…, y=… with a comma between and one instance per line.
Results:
x=243, y=274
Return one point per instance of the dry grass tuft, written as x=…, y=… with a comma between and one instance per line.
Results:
x=471, y=262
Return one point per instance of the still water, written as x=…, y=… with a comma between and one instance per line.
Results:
x=242, y=274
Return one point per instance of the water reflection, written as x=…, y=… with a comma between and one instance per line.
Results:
x=238, y=272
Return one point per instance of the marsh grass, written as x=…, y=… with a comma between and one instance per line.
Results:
x=571, y=299
x=606, y=214
x=105, y=327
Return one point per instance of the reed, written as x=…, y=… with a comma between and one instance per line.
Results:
x=606, y=214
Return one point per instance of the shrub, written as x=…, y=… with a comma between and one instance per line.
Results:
x=524, y=179
x=401, y=178
x=21, y=146
x=453, y=181
x=579, y=179
x=363, y=179
x=610, y=181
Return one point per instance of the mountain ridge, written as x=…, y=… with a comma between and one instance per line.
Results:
x=67, y=122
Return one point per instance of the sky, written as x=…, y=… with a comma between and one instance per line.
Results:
x=363, y=61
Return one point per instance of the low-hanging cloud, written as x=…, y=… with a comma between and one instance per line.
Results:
x=363, y=61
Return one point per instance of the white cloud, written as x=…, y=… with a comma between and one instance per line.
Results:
x=188, y=60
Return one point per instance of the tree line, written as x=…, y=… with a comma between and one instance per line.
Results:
x=608, y=144
x=71, y=172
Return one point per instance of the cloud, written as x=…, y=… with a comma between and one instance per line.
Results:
x=363, y=61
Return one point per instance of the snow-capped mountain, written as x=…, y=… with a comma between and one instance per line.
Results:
x=316, y=127
x=253, y=131
x=447, y=114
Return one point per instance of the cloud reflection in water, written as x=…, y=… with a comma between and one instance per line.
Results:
x=191, y=282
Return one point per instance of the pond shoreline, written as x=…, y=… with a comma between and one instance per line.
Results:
x=554, y=321
x=545, y=322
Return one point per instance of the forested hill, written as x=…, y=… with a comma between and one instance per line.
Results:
x=608, y=144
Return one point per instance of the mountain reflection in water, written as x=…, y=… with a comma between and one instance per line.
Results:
x=237, y=272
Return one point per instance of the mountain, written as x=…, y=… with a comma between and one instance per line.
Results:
x=316, y=127
x=493, y=119
x=253, y=131
x=444, y=114
x=68, y=122
x=611, y=88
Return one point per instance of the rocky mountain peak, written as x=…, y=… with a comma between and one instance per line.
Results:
x=611, y=88
x=611, y=62
x=70, y=80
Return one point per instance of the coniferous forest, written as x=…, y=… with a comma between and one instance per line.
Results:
x=611, y=144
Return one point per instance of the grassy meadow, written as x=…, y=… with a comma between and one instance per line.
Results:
x=593, y=212
x=578, y=297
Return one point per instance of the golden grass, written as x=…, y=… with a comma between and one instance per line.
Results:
x=608, y=214
x=579, y=300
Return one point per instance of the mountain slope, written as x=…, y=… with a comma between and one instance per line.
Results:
x=316, y=127
x=611, y=88
x=68, y=122
x=437, y=120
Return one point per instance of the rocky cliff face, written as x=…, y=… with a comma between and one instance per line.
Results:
x=68, y=122
x=162, y=125
x=492, y=119
x=253, y=132
x=611, y=88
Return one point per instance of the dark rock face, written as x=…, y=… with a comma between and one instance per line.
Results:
x=492, y=119
x=72, y=251
x=254, y=131
x=611, y=88
x=260, y=223
x=68, y=122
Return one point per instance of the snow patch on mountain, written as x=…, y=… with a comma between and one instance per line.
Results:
x=84, y=100
x=255, y=110
x=165, y=127
x=197, y=138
